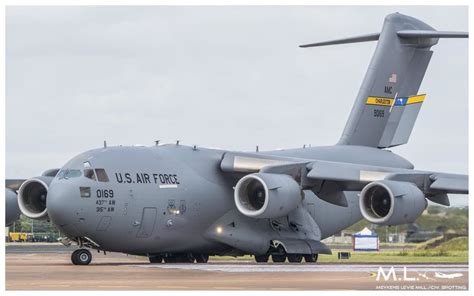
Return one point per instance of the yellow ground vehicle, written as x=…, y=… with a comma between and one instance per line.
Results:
x=18, y=236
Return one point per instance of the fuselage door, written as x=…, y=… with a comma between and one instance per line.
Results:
x=148, y=223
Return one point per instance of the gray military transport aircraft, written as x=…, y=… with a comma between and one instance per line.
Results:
x=176, y=203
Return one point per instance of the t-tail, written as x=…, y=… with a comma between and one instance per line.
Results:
x=388, y=102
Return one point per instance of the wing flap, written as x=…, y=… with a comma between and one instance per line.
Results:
x=450, y=183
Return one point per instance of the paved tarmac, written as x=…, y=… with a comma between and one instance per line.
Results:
x=44, y=267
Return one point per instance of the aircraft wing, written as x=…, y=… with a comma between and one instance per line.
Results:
x=356, y=176
x=330, y=179
x=450, y=183
x=14, y=184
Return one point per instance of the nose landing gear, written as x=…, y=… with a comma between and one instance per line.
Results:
x=81, y=257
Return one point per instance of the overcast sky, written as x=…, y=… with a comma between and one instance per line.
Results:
x=228, y=77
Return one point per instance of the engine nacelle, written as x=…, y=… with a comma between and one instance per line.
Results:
x=12, y=211
x=262, y=195
x=32, y=197
x=391, y=202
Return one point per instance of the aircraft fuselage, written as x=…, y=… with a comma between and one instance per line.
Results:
x=165, y=198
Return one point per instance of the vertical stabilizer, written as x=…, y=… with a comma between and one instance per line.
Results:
x=388, y=102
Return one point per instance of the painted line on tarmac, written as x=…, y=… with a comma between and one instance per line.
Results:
x=307, y=268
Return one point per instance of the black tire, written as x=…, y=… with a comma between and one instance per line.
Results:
x=295, y=258
x=261, y=258
x=201, y=258
x=185, y=258
x=155, y=259
x=311, y=258
x=278, y=258
x=170, y=259
x=81, y=257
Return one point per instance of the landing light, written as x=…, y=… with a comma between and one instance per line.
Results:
x=219, y=229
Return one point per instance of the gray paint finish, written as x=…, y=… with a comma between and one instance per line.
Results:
x=171, y=199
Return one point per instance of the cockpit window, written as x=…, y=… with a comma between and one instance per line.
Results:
x=72, y=174
x=61, y=173
x=101, y=175
x=69, y=173
x=89, y=173
x=95, y=174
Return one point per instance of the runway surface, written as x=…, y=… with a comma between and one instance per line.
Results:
x=43, y=267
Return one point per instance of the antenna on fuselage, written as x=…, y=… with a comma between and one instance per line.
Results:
x=157, y=142
x=177, y=142
x=105, y=144
x=256, y=148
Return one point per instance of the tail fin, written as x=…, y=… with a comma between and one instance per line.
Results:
x=387, y=104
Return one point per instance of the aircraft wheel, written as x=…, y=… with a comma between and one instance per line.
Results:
x=186, y=258
x=278, y=258
x=81, y=257
x=261, y=258
x=170, y=259
x=201, y=258
x=155, y=259
x=311, y=258
x=295, y=258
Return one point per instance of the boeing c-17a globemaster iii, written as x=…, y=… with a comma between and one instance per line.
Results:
x=176, y=203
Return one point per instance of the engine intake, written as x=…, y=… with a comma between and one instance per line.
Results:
x=32, y=197
x=263, y=195
x=391, y=202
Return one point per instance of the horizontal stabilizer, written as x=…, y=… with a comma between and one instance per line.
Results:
x=362, y=38
x=431, y=34
x=401, y=34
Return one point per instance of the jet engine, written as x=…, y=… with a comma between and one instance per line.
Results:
x=263, y=195
x=391, y=202
x=32, y=197
x=12, y=212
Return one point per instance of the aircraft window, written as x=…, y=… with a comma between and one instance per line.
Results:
x=101, y=175
x=72, y=174
x=61, y=174
x=66, y=174
x=89, y=173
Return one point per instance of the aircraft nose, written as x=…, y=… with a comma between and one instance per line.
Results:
x=60, y=203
